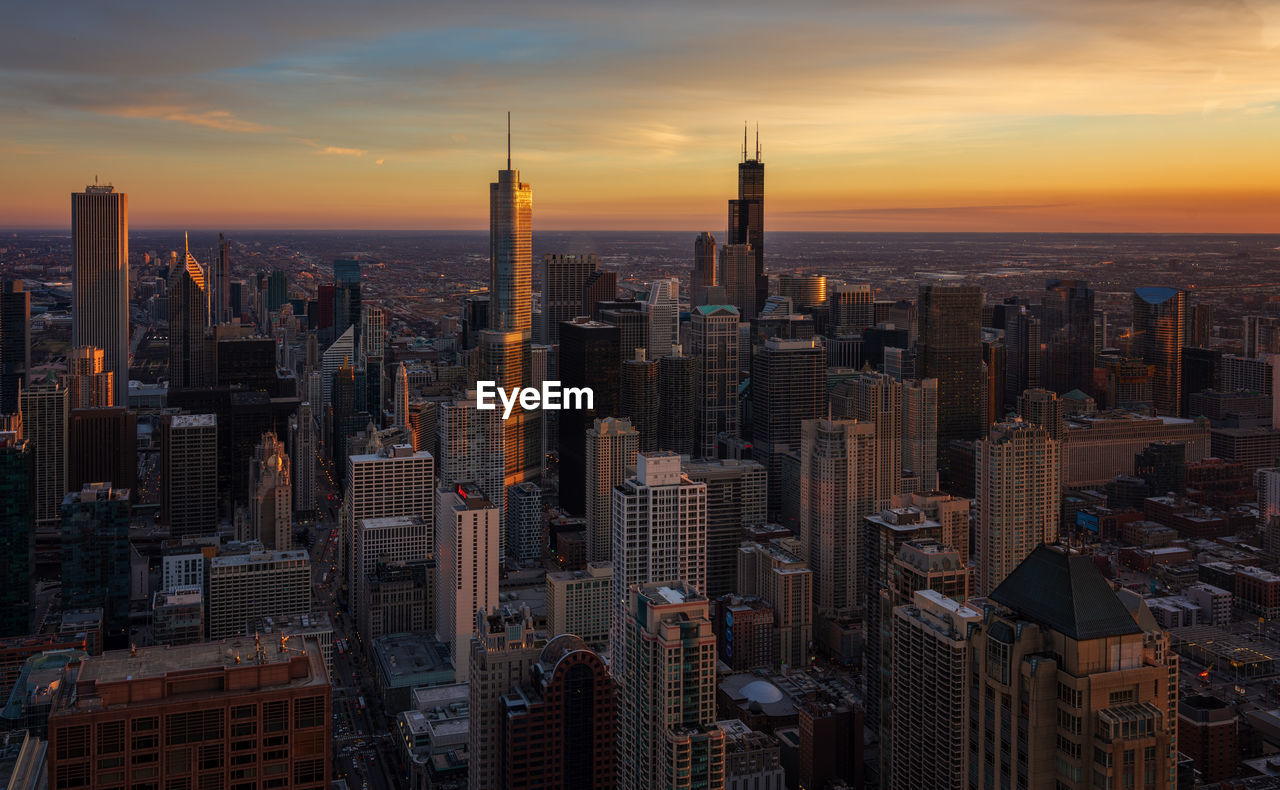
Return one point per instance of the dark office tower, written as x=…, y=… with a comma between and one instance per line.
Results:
x=1163, y=465
x=100, y=278
x=237, y=298
x=189, y=474
x=346, y=297
x=1022, y=338
x=343, y=400
x=95, y=556
x=995, y=358
x=15, y=342
x=704, y=273
x=277, y=290
x=1199, y=325
x=1044, y=408
x=561, y=279
x=714, y=336
x=736, y=493
x=220, y=303
x=247, y=363
x=44, y=423
x=601, y=286
x=1201, y=370
x=677, y=382
x=852, y=307
x=638, y=398
x=737, y=277
x=188, y=301
x=588, y=358
x=949, y=348
x=1159, y=329
x=1067, y=331
x=475, y=319
x=787, y=388
x=324, y=307
x=560, y=724
x=102, y=444
x=807, y=291
x=746, y=221
x=633, y=328
x=17, y=496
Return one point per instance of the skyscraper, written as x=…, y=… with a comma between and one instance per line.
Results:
x=877, y=399
x=806, y=291
x=468, y=561
x=302, y=453
x=522, y=522
x=95, y=556
x=91, y=385
x=400, y=399
x=393, y=482
x=666, y=698
x=920, y=435
x=588, y=358
x=277, y=290
x=677, y=385
x=100, y=278
x=852, y=307
x=562, y=278
x=504, y=647
x=704, y=274
x=714, y=336
x=949, y=349
x=1068, y=335
x=15, y=342
x=471, y=446
x=1023, y=343
x=611, y=448
x=220, y=295
x=1017, y=488
x=737, y=496
x=271, y=489
x=17, y=495
x=746, y=220
x=45, y=416
x=838, y=473
x=189, y=474
x=1043, y=407
x=736, y=275
x=188, y=315
x=663, y=307
x=659, y=533
x=246, y=586
x=787, y=388
x=1159, y=329
x=102, y=444
x=346, y=298
x=638, y=397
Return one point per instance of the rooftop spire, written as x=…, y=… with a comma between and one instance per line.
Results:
x=508, y=139
x=744, y=141
x=186, y=245
x=757, y=141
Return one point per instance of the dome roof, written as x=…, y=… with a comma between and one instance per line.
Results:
x=762, y=691
x=561, y=646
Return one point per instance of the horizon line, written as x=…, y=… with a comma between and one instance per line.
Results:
x=285, y=229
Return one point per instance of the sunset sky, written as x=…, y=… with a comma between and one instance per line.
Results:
x=1090, y=115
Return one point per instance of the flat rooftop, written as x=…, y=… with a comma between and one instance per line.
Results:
x=150, y=662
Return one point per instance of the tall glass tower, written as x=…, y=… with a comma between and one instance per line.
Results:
x=1159, y=326
x=100, y=278
x=746, y=219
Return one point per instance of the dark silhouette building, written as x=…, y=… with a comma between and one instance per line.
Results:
x=102, y=444
x=17, y=513
x=677, y=376
x=638, y=398
x=1067, y=332
x=588, y=358
x=1159, y=332
x=746, y=220
x=15, y=342
x=95, y=556
x=787, y=388
x=949, y=348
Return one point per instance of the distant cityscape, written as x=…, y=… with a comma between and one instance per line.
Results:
x=844, y=510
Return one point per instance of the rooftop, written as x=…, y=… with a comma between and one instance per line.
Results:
x=194, y=420
x=1067, y=593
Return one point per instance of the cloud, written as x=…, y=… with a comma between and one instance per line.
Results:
x=221, y=120
x=340, y=151
x=380, y=161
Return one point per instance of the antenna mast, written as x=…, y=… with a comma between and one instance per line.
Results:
x=757, y=141
x=744, y=141
x=508, y=139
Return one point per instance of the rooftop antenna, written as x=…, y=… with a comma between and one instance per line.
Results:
x=508, y=139
x=757, y=141
x=744, y=141
x=186, y=244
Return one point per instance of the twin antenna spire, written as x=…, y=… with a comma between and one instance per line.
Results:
x=744, y=141
x=508, y=139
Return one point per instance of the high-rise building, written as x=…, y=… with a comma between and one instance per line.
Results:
x=638, y=398
x=601, y=286
x=920, y=435
x=807, y=291
x=1098, y=660
x=467, y=565
x=852, y=307
x=504, y=647
x=667, y=735
x=736, y=277
x=1159, y=331
x=400, y=399
x=659, y=533
x=396, y=540
x=17, y=497
x=580, y=603
x=949, y=349
x=216, y=712
x=246, y=586
x=100, y=278
x=271, y=492
x=95, y=556
x=746, y=222
x=102, y=444
x=221, y=308
x=346, y=298
x=44, y=419
x=877, y=398
x=704, y=274
x=663, y=307
x=787, y=388
x=1018, y=491
x=928, y=719
x=506, y=358
x=1043, y=407
x=1023, y=351
x=396, y=481
x=774, y=574
x=302, y=455
x=714, y=336
x=677, y=377
x=561, y=724
x=736, y=498
x=15, y=342
x=522, y=522
x=588, y=359
x=91, y=385
x=277, y=290
x=561, y=279
x=611, y=448
x=838, y=473
x=633, y=328
x=188, y=294
x=189, y=474
x=471, y=446
x=1068, y=336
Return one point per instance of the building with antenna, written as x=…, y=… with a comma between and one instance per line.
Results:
x=746, y=219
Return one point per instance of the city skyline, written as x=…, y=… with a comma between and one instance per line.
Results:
x=1125, y=117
